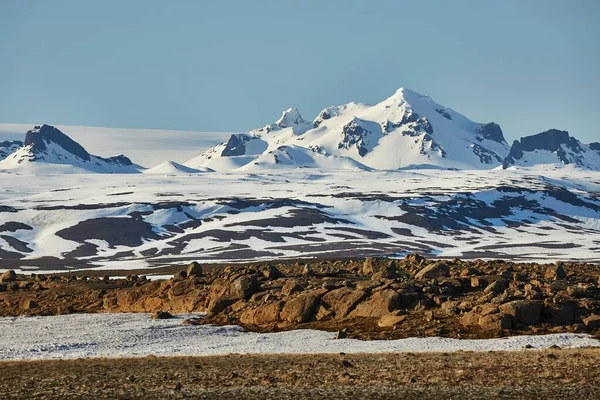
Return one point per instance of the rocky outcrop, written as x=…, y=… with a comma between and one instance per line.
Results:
x=360, y=298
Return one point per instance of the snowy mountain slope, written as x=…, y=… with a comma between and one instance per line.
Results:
x=48, y=150
x=300, y=157
x=136, y=220
x=405, y=129
x=9, y=146
x=553, y=147
x=171, y=167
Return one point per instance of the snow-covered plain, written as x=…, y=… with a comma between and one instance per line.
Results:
x=137, y=335
x=146, y=147
x=132, y=221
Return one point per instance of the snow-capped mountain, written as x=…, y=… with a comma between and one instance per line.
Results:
x=47, y=149
x=553, y=147
x=9, y=146
x=403, y=130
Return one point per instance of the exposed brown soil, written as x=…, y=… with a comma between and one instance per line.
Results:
x=554, y=374
x=367, y=299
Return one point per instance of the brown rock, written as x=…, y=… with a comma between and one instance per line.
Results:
x=301, y=309
x=390, y=320
x=556, y=272
x=28, y=304
x=368, y=266
x=264, y=314
x=308, y=271
x=8, y=276
x=494, y=322
x=435, y=270
x=592, y=322
x=272, y=273
x=343, y=300
x=523, y=311
x=379, y=304
x=290, y=287
x=470, y=319
x=496, y=287
x=414, y=258
x=194, y=269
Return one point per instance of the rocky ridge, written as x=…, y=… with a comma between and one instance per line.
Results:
x=372, y=298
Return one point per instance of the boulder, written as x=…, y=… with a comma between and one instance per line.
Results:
x=343, y=300
x=29, y=304
x=8, y=276
x=523, y=311
x=244, y=287
x=379, y=304
x=497, y=286
x=414, y=258
x=194, y=269
x=301, y=309
x=264, y=314
x=470, y=319
x=495, y=322
x=435, y=270
x=563, y=314
x=368, y=266
x=162, y=315
x=556, y=272
x=390, y=320
x=272, y=273
x=592, y=322
x=290, y=287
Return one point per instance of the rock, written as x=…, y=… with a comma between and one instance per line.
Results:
x=414, y=258
x=244, y=287
x=272, y=273
x=435, y=270
x=162, y=315
x=497, y=287
x=494, y=322
x=523, y=311
x=301, y=309
x=341, y=334
x=477, y=282
x=194, y=269
x=307, y=271
x=577, y=291
x=264, y=314
x=470, y=319
x=390, y=320
x=343, y=300
x=28, y=304
x=556, y=272
x=193, y=321
x=561, y=315
x=368, y=266
x=592, y=322
x=387, y=271
x=8, y=276
x=290, y=287
x=379, y=304
x=179, y=275
x=470, y=271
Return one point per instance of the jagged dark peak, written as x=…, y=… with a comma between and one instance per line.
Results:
x=550, y=140
x=236, y=145
x=491, y=131
x=42, y=135
x=595, y=146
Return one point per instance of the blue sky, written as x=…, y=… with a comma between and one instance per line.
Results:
x=235, y=65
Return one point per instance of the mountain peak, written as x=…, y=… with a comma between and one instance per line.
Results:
x=42, y=135
x=290, y=117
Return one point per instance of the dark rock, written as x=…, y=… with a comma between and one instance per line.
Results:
x=194, y=269
x=435, y=270
x=162, y=315
x=523, y=311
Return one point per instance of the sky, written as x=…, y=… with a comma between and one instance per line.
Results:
x=222, y=65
